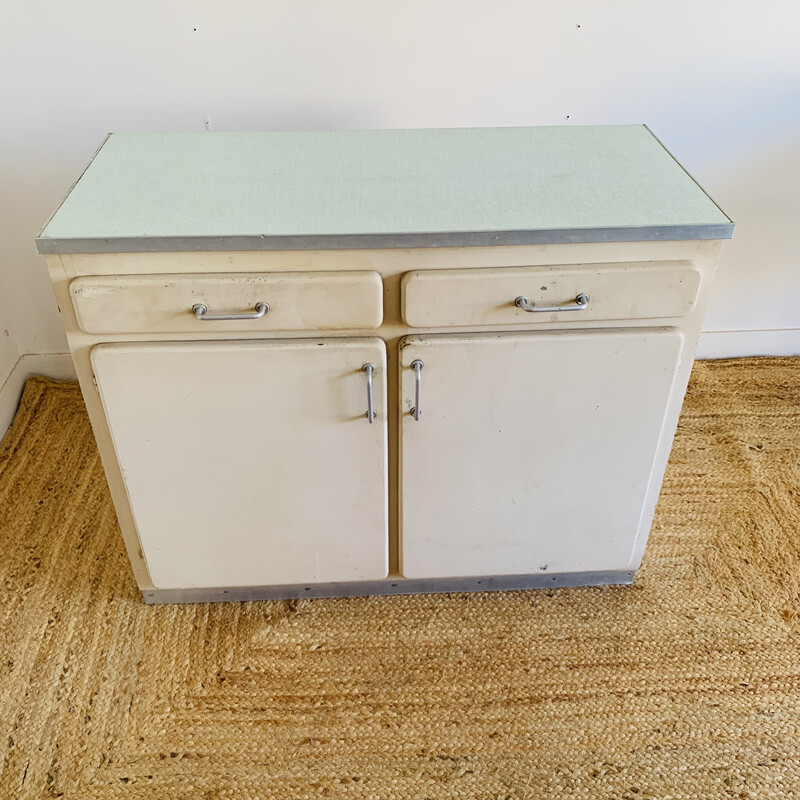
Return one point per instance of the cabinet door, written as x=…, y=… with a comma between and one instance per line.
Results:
x=533, y=452
x=251, y=463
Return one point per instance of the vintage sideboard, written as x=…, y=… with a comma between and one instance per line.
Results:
x=375, y=362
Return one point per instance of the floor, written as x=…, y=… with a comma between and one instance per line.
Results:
x=684, y=685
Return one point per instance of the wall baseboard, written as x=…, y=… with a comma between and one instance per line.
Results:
x=53, y=365
x=737, y=344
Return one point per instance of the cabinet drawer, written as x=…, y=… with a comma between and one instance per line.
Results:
x=470, y=297
x=164, y=303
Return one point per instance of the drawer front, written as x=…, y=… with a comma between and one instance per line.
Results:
x=297, y=301
x=473, y=297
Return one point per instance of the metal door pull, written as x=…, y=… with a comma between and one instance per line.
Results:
x=578, y=304
x=201, y=312
x=416, y=412
x=369, y=369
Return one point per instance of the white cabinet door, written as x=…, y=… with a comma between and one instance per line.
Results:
x=251, y=463
x=533, y=452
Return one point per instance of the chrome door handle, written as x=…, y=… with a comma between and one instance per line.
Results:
x=201, y=312
x=369, y=369
x=416, y=412
x=578, y=304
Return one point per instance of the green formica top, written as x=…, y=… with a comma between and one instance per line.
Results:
x=382, y=188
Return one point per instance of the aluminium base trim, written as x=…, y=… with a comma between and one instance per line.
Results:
x=388, y=586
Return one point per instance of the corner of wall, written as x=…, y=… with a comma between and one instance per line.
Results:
x=53, y=365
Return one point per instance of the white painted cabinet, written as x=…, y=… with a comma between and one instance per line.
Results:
x=222, y=294
x=251, y=462
x=532, y=452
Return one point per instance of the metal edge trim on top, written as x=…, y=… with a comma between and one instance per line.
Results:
x=381, y=241
x=388, y=586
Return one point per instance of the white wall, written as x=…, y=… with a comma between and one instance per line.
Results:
x=9, y=356
x=718, y=82
x=9, y=348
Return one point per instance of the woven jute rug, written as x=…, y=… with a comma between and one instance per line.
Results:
x=685, y=685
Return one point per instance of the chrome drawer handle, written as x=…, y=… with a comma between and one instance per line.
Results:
x=201, y=312
x=369, y=369
x=578, y=304
x=416, y=412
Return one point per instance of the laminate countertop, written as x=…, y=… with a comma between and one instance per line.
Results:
x=382, y=188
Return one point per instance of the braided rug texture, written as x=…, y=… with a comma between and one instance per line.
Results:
x=685, y=685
